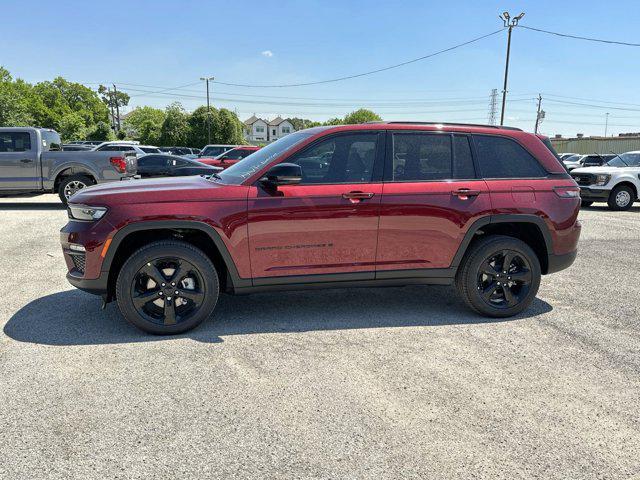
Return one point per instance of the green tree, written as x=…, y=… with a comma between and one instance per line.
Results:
x=144, y=124
x=302, y=123
x=114, y=100
x=72, y=127
x=175, y=128
x=198, y=136
x=14, y=102
x=334, y=121
x=361, y=116
x=102, y=131
x=227, y=128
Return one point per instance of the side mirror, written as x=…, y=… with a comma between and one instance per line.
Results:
x=283, y=174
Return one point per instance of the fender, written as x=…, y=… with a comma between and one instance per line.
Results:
x=78, y=167
x=502, y=218
x=117, y=239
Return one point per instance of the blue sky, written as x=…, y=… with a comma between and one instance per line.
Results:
x=147, y=46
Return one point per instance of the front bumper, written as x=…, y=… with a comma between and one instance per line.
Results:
x=594, y=194
x=95, y=286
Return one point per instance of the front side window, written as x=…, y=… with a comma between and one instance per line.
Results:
x=15, y=142
x=625, y=160
x=150, y=150
x=238, y=154
x=421, y=157
x=500, y=157
x=339, y=159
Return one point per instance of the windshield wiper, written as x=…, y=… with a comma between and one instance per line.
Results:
x=619, y=158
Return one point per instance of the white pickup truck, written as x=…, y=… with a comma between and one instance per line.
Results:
x=617, y=182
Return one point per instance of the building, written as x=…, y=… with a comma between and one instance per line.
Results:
x=259, y=130
x=587, y=145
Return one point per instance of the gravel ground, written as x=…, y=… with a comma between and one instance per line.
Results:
x=362, y=383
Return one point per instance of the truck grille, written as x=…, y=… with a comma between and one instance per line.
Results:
x=78, y=261
x=584, y=178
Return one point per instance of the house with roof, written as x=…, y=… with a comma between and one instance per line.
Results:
x=259, y=130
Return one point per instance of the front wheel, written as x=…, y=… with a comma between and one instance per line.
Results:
x=167, y=287
x=499, y=277
x=621, y=198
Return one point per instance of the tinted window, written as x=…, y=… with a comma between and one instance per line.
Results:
x=462, y=159
x=150, y=150
x=152, y=161
x=501, y=157
x=50, y=140
x=15, y=142
x=116, y=148
x=339, y=159
x=419, y=156
x=214, y=151
x=237, y=154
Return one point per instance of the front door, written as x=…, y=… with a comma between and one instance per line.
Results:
x=19, y=169
x=328, y=223
x=431, y=197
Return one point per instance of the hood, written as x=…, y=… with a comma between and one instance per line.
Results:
x=595, y=170
x=157, y=190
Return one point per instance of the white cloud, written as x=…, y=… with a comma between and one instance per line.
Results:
x=267, y=53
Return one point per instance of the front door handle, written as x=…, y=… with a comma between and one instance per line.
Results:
x=465, y=193
x=26, y=160
x=355, y=197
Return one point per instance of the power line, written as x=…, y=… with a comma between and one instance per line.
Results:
x=371, y=72
x=577, y=37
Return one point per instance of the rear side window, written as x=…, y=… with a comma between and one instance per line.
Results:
x=420, y=157
x=500, y=157
x=462, y=159
x=51, y=141
x=15, y=142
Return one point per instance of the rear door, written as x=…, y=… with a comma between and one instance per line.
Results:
x=19, y=165
x=327, y=224
x=431, y=196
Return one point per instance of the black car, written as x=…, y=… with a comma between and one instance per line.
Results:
x=596, y=160
x=160, y=165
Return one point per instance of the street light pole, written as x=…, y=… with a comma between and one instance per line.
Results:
x=510, y=23
x=606, y=123
x=206, y=79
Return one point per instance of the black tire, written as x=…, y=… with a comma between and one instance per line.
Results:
x=135, y=283
x=617, y=197
x=585, y=203
x=72, y=184
x=471, y=283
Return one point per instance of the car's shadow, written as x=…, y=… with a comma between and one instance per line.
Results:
x=603, y=207
x=74, y=318
x=31, y=206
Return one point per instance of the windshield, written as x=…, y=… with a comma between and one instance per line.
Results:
x=572, y=158
x=625, y=160
x=214, y=151
x=239, y=172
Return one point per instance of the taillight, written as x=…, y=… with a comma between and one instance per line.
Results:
x=119, y=163
x=567, y=192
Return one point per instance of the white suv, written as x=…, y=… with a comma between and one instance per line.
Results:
x=617, y=182
x=139, y=150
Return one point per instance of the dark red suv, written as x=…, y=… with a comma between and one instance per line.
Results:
x=485, y=208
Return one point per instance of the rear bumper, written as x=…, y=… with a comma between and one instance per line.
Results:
x=560, y=262
x=594, y=194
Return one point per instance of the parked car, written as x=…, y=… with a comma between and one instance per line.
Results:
x=617, y=182
x=591, y=160
x=398, y=204
x=138, y=150
x=161, y=165
x=564, y=156
x=32, y=163
x=181, y=151
x=230, y=157
x=212, y=151
x=76, y=147
x=573, y=161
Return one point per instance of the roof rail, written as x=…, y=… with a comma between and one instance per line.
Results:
x=450, y=124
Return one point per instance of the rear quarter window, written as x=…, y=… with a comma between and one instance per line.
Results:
x=501, y=157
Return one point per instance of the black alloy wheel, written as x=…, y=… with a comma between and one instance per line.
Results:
x=504, y=279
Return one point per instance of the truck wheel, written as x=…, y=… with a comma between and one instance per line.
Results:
x=499, y=276
x=585, y=203
x=167, y=287
x=70, y=185
x=621, y=198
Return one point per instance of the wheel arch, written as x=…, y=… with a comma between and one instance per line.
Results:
x=202, y=235
x=72, y=169
x=627, y=183
x=531, y=229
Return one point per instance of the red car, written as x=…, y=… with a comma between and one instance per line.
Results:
x=487, y=209
x=230, y=157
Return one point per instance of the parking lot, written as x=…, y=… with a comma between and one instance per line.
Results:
x=362, y=383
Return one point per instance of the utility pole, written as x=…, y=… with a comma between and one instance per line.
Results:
x=606, y=123
x=510, y=23
x=115, y=95
x=539, y=114
x=113, y=116
x=206, y=79
x=493, y=106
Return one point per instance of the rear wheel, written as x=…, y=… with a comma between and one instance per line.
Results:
x=499, y=277
x=585, y=203
x=70, y=185
x=621, y=198
x=167, y=287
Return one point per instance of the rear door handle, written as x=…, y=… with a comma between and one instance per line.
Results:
x=26, y=160
x=356, y=197
x=465, y=193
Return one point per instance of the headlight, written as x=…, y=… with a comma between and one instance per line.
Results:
x=602, y=179
x=85, y=213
